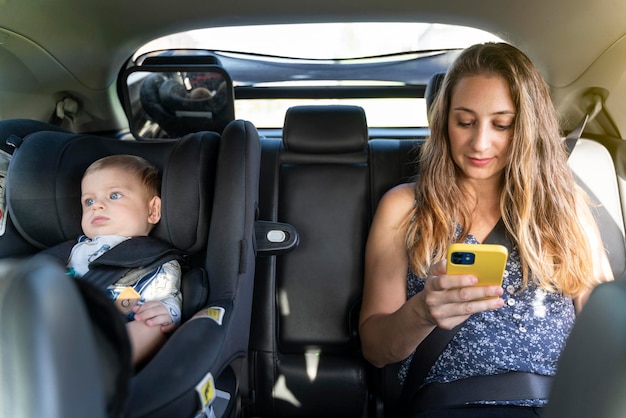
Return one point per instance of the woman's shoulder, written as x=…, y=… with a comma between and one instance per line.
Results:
x=402, y=193
x=398, y=201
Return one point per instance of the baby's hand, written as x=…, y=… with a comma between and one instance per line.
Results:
x=153, y=314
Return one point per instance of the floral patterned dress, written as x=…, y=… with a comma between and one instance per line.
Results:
x=527, y=334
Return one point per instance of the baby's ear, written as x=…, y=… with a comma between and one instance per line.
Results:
x=154, y=215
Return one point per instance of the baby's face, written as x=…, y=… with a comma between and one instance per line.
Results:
x=115, y=202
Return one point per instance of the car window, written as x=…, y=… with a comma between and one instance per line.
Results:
x=381, y=67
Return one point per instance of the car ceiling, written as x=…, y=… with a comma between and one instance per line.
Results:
x=88, y=42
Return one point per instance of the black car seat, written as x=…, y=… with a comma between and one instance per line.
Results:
x=20, y=128
x=209, y=194
x=12, y=130
x=304, y=348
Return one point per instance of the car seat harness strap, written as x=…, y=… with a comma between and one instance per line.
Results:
x=138, y=255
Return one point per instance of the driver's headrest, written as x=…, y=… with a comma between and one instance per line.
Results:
x=44, y=176
x=432, y=89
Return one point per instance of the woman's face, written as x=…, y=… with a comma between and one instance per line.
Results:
x=480, y=126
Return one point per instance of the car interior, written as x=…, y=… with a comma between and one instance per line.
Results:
x=273, y=167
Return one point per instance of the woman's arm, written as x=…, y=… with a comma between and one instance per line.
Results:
x=385, y=317
x=391, y=327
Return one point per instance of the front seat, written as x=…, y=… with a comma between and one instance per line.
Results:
x=591, y=378
x=48, y=350
x=209, y=194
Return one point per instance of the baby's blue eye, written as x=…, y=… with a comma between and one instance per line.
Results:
x=89, y=202
x=115, y=196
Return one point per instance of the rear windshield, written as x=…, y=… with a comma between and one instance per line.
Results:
x=347, y=48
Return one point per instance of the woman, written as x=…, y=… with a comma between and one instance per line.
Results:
x=495, y=153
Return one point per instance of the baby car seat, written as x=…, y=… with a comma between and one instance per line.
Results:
x=209, y=194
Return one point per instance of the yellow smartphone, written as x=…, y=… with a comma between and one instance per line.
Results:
x=485, y=261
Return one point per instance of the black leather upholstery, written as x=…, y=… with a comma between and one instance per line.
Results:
x=304, y=343
x=324, y=179
x=325, y=130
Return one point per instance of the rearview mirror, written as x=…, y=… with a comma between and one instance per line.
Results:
x=164, y=101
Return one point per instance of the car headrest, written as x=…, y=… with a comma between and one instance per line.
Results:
x=20, y=128
x=325, y=129
x=44, y=176
x=432, y=88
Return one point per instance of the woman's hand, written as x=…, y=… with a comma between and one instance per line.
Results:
x=448, y=300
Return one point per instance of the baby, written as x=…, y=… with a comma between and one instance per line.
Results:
x=120, y=201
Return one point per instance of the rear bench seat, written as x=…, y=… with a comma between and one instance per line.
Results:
x=325, y=179
x=304, y=346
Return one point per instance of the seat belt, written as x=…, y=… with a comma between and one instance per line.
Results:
x=499, y=387
x=572, y=138
x=65, y=109
x=433, y=345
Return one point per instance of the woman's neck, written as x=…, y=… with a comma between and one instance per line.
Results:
x=485, y=196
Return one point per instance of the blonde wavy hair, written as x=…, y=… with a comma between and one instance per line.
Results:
x=539, y=196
